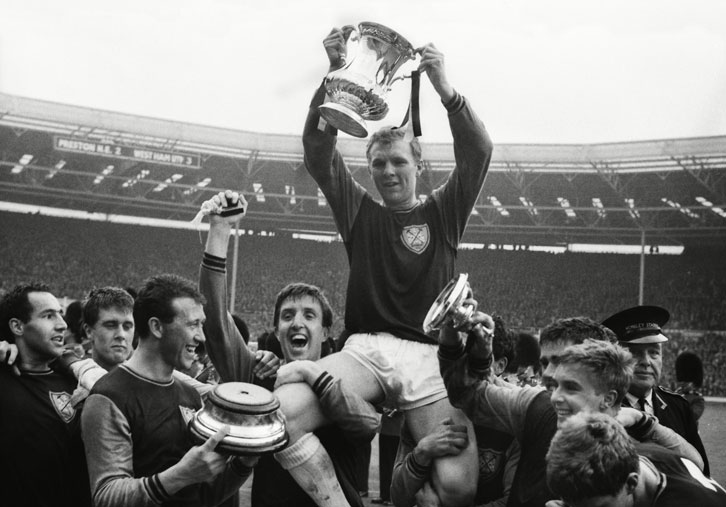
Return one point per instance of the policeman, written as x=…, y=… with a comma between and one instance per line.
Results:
x=640, y=330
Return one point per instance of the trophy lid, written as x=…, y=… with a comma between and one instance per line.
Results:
x=243, y=398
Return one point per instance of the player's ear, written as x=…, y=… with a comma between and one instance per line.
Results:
x=632, y=482
x=155, y=326
x=609, y=399
x=16, y=326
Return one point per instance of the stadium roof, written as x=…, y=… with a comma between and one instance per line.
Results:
x=672, y=192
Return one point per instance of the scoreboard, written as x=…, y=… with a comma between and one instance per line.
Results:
x=137, y=153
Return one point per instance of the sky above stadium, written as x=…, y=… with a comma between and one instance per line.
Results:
x=555, y=71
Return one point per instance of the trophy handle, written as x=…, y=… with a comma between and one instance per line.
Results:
x=352, y=38
x=416, y=60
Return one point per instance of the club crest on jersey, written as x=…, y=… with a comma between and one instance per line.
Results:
x=62, y=404
x=489, y=461
x=416, y=237
x=187, y=413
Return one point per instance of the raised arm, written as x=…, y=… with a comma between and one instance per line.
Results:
x=226, y=348
x=472, y=146
x=469, y=386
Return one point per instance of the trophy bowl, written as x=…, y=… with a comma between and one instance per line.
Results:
x=256, y=425
x=357, y=91
x=449, y=307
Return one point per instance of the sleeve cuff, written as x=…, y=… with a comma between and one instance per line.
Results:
x=451, y=352
x=454, y=105
x=322, y=383
x=214, y=263
x=479, y=367
x=155, y=490
x=417, y=470
x=640, y=430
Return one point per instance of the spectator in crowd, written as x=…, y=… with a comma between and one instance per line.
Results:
x=42, y=461
x=531, y=414
x=525, y=367
x=640, y=330
x=689, y=375
x=401, y=254
x=591, y=461
x=135, y=420
x=498, y=450
x=302, y=320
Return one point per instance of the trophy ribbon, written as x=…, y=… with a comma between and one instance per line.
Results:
x=413, y=113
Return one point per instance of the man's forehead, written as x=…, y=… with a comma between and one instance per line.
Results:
x=115, y=312
x=397, y=146
x=42, y=301
x=576, y=374
x=187, y=307
x=305, y=301
x=554, y=348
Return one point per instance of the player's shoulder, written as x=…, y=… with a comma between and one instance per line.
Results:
x=672, y=395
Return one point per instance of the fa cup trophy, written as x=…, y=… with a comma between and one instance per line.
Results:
x=357, y=91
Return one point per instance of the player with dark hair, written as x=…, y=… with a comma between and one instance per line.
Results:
x=42, y=461
x=302, y=320
x=135, y=420
x=555, y=337
x=592, y=462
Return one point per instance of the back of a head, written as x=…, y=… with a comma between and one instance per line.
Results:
x=611, y=365
x=16, y=305
x=74, y=317
x=526, y=352
x=502, y=342
x=574, y=330
x=242, y=327
x=156, y=296
x=590, y=455
x=269, y=341
x=689, y=368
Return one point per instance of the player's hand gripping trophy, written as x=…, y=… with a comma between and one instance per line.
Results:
x=454, y=315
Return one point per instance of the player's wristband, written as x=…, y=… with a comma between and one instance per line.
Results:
x=480, y=366
x=640, y=430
